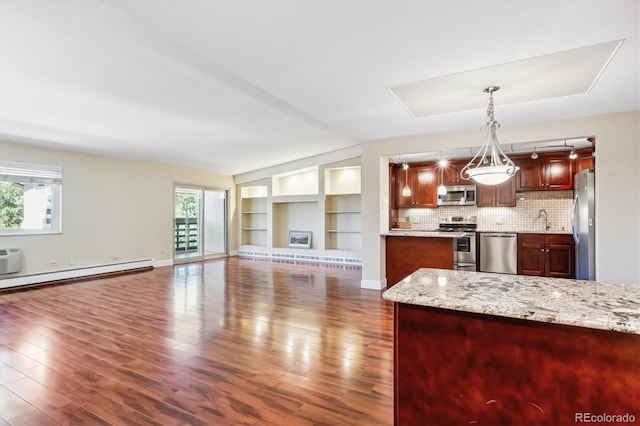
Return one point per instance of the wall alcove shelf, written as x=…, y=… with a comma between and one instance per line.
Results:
x=343, y=222
x=254, y=216
x=324, y=200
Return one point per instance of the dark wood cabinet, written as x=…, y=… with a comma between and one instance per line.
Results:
x=546, y=255
x=405, y=255
x=451, y=174
x=558, y=173
x=503, y=195
x=400, y=180
x=530, y=177
x=547, y=173
x=448, y=364
x=422, y=182
x=584, y=161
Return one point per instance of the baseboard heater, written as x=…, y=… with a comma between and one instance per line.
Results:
x=299, y=257
x=71, y=274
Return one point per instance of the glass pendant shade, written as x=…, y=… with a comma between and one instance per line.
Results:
x=490, y=166
x=406, y=191
x=442, y=190
x=493, y=175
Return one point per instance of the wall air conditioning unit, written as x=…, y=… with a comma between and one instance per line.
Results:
x=10, y=260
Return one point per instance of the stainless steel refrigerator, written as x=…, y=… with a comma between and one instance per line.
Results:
x=583, y=222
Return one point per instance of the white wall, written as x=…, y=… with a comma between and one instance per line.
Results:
x=617, y=186
x=110, y=208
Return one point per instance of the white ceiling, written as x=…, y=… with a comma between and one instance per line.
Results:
x=234, y=86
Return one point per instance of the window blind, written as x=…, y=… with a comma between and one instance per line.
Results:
x=32, y=173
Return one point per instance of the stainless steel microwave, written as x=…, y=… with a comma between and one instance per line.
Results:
x=463, y=195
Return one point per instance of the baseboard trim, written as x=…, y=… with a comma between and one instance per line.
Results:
x=161, y=263
x=373, y=284
x=72, y=275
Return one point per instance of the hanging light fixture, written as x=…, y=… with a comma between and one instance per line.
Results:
x=442, y=190
x=406, y=191
x=534, y=154
x=573, y=155
x=490, y=166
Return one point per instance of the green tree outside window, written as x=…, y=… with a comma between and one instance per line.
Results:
x=11, y=205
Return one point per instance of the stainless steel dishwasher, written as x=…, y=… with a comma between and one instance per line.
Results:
x=499, y=253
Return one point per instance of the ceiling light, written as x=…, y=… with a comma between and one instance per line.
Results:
x=534, y=154
x=573, y=154
x=490, y=166
x=406, y=191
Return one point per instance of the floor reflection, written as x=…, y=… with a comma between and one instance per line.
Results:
x=228, y=341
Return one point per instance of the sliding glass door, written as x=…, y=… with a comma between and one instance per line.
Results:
x=215, y=222
x=200, y=223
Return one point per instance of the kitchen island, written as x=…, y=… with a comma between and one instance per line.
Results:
x=480, y=348
x=408, y=251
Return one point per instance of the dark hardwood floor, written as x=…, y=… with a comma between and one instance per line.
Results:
x=230, y=341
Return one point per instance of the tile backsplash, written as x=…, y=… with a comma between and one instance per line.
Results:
x=523, y=217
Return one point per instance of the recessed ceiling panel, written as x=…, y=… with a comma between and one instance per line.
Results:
x=572, y=72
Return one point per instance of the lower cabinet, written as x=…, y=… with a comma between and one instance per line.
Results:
x=405, y=255
x=546, y=255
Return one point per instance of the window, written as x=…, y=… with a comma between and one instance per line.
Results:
x=30, y=198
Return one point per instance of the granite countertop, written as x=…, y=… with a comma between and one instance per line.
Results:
x=525, y=231
x=418, y=233
x=587, y=304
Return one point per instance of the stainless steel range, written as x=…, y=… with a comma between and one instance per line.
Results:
x=464, y=256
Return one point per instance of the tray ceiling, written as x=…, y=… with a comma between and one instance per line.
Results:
x=235, y=86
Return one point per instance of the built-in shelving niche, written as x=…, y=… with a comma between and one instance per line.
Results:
x=254, y=215
x=296, y=216
x=343, y=222
x=297, y=182
x=299, y=201
x=343, y=219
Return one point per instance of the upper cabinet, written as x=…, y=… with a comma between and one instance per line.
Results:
x=421, y=179
x=545, y=174
x=584, y=161
x=451, y=174
x=503, y=195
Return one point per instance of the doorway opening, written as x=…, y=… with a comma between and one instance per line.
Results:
x=200, y=223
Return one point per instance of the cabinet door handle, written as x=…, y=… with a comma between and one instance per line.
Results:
x=541, y=249
x=547, y=250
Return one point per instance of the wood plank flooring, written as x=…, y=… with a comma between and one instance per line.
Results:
x=230, y=341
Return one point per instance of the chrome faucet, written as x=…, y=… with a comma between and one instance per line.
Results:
x=547, y=226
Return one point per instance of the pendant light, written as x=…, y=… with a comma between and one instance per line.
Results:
x=442, y=190
x=490, y=166
x=406, y=191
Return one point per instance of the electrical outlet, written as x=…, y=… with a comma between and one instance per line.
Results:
x=161, y=251
x=72, y=261
x=53, y=262
x=116, y=257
